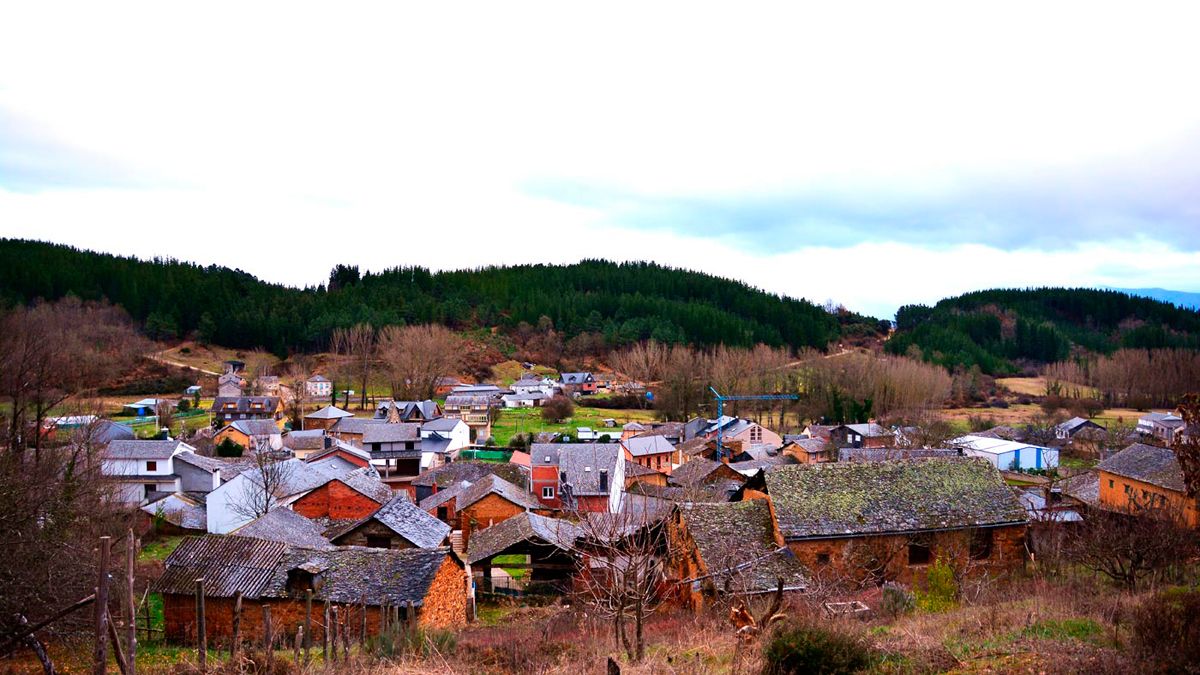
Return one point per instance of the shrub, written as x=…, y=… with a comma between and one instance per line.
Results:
x=896, y=600
x=557, y=409
x=940, y=590
x=802, y=647
x=229, y=448
x=1166, y=630
x=416, y=642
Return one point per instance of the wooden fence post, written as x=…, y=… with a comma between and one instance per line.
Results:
x=268, y=638
x=201, y=631
x=299, y=641
x=308, y=626
x=362, y=639
x=236, y=638
x=345, y=631
x=100, y=653
x=131, y=548
x=333, y=637
x=325, y=635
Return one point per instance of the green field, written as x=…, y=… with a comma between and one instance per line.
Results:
x=512, y=421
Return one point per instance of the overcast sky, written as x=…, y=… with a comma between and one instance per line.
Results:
x=874, y=154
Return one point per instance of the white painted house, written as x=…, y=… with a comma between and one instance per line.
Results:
x=142, y=468
x=1007, y=455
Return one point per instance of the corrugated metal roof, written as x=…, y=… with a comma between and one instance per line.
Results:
x=227, y=564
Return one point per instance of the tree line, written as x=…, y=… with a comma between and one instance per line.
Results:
x=1001, y=331
x=622, y=303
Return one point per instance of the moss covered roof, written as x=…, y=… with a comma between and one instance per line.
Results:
x=846, y=499
x=736, y=540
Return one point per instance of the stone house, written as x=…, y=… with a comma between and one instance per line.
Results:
x=397, y=524
x=489, y=501
x=890, y=520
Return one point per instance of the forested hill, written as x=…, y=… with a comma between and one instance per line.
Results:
x=999, y=329
x=621, y=302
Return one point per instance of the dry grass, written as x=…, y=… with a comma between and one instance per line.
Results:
x=211, y=358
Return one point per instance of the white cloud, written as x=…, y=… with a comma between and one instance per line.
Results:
x=284, y=137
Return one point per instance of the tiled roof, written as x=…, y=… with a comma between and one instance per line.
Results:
x=409, y=521
x=328, y=413
x=125, y=449
x=830, y=500
x=523, y=527
x=309, y=439
x=391, y=433
x=883, y=454
x=181, y=511
x=640, y=446
x=209, y=464
x=471, y=471
x=353, y=425
x=353, y=574
x=580, y=464
x=493, y=484
x=735, y=541
x=227, y=564
x=1147, y=463
x=1083, y=486
x=285, y=525
x=256, y=427
x=442, y=496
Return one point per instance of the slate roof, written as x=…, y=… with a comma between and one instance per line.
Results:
x=256, y=427
x=242, y=404
x=285, y=525
x=523, y=527
x=426, y=409
x=640, y=446
x=329, y=412
x=353, y=573
x=539, y=452
x=442, y=496
x=446, y=424
x=468, y=400
x=696, y=446
x=1083, y=486
x=152, y=450
x=181, y=511
x=227, y=564
x=317, y=378
x=633, y=469
x=366, y=482
x=736, y=539
x=209, y=464
x=1147, y=463
x=1075, y=423
x=104, y=431
x=470, y=471
x=751, y=466
x=493, y=484
x=353, y=425
x=308, y=439
x=884, y=454
x=407, y=520
x=574, y=459
x=862, y=498
x=693, y=471
x=668, y=429
x=870, y=430
x=391, y=433
x=574, y=378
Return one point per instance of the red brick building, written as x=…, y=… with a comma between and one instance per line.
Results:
x=489, y=501
x=351, y=497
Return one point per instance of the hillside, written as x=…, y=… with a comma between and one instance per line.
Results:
x=999, y=329
x=622, y=303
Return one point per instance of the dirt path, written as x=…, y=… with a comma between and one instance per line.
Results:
x=157, y=356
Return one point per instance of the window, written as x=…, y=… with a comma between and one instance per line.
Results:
x=756, y=434
x=150, y=487
x=548, y=492
x=822, y=558
x=152, y=466
x=918, y=553
x=604, y=481
x=443, y=513
x=658, y=461
x=981, y=544
x=1110, y=483
x=376, y=541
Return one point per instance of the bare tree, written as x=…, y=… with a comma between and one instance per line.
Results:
x=356, y=347
x=416, y=357
x=266, y=484
x=164, y=413
x=1187, y=447
x=621, y=570
x=1129, y=545
x=52, y=352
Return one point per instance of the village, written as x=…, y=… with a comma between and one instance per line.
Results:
x=318, y=536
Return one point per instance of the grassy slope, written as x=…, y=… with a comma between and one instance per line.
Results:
x=529, y=420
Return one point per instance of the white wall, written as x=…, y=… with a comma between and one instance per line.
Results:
x=222, y=517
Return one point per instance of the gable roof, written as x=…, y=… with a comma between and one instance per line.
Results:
x=353, y=573
x=1147, y=463
x=1077, y=422
x=523, y=527
x=580, y=464
x=695, y=471
x=445, y=424
x=391, y=433
x=575, y=378
x=365, y=481
x=493, y=484
x=991, y=446
x=640, y=446
x=242, y=404
x=633, y=469
x=329, y=412
x=285, y=525
x=442, y=496
x=470, y=471
x=258, y=427
x=228, y=564
x=307, y=439
x=407, y=520
x=736, y=540
x=209, y=464
x=317, y=378
x=353, y=425
x=861, y=498
x=180, y=510
x=153, y=450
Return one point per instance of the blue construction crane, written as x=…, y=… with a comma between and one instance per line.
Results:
x=744, y=397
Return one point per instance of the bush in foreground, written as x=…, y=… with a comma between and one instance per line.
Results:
x=805, y=647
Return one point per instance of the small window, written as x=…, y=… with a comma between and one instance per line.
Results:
x=1110, y=483
x=443, y=513
x=377, y=541
x=150, y=487
x=547, y=493
x=981, y=544
x=822, y=558
x=152, y=466
x=919, y=553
